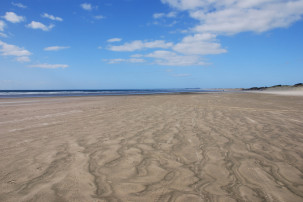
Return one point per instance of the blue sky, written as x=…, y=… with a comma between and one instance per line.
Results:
x=120, y=44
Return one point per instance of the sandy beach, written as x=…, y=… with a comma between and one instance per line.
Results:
x=287, y=91
x=187, y=147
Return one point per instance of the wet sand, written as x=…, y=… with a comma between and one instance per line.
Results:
x=193, y=147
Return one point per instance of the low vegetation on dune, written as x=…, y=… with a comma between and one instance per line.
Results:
x=275, y=86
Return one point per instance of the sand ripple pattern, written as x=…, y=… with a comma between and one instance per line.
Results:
x=193, y=147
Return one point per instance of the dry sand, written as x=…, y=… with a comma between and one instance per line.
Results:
x=194, y=147
x=288, y=91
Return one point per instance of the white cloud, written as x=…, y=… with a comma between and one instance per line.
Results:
x=136, y=56
x=45, y=15
x=114, y=40
x=171, y=14
x=3, y=35
x=187, y=4
x=215, y=17
x=182, y=75
x=13, y=17
x=235, y=16
x=8, y=49
x=49, y=66
x=21, y=54
x=20, y=5
x=99, y=17
x=136, y=60
x=162, y=15
x=119, y=60
x=55, y=48
x=23, y=59
x=186, y=52
x=2, y=25
x=199, y=44
x=86, y=6
x=138, y=45
x=39, y=25
x=169, y=58
x=158, y=15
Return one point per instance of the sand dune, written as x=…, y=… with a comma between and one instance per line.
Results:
x=194, y=147
x=288, y=91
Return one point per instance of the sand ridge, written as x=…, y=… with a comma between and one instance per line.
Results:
x=194, y=147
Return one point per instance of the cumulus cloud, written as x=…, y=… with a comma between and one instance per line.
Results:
x=21, y=54
x=46, y=15
x=2, y=25
x=13, y=17
x=120, y=60
x=49, y=66
x=55, y=48
x=114, y=40
x=139, y=45
x=20, y=5
x=235, y=16
x=39, y=25
x=86, y=6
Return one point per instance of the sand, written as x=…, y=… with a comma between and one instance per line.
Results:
x=288, y=91
x=192, y=147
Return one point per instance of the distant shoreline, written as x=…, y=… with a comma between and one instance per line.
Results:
x=85, y=93
x=296, y=89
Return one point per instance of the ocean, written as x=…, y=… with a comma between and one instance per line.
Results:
x=58, y=93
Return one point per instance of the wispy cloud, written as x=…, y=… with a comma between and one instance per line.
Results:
x=138, y=45
x=86, y=6
x=120, y=60
x=39, y=25
x=169, y=58
x=21, y=54
x=181, y=75
x=188, y=51
x=114, y=40
x=3, y=35
x=45, y=15
x=199, y=44
x=99, y=17
x=49, y=66
x=2, y=25
x=56, y=48
x=158, y=15
x=136, y=56
x=13, y=17
x=23, y=59
x=20, y=5
x=167, y=15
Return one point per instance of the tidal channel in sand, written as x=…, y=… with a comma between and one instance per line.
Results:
x=192, y=147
